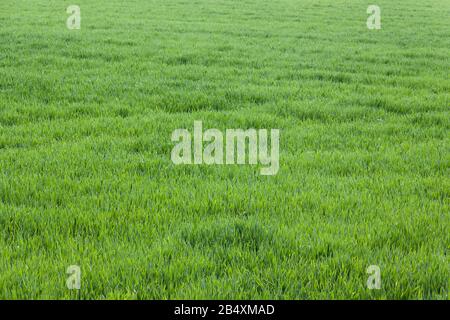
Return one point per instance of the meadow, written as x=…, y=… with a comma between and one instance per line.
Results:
x=86, y=177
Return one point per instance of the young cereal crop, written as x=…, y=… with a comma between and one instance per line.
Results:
x=86, y=175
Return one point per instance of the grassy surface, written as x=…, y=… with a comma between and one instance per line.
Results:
x=85, y=170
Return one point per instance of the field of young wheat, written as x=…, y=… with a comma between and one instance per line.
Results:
x=87, y=179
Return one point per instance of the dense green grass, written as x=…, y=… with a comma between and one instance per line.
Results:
x=85, y=170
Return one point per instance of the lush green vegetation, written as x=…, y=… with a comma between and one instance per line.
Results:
x=86, y=177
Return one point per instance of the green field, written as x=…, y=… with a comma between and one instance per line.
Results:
x=86, y=177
